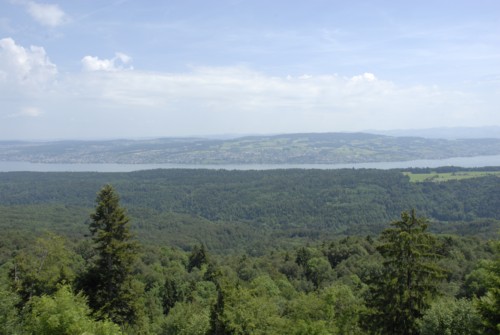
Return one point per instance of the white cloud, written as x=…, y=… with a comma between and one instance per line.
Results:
x=217, y=100
x=247, y=101
x=125, y=59
x=91, y=63
x=50, y=15
x=364, y=77
x=30, y=68
x=25, y=112
x=29, y=112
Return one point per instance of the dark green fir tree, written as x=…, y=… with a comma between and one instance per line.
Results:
x=409, y=278
x=109, y=283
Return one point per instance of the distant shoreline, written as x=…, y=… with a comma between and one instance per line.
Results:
x=468, y=162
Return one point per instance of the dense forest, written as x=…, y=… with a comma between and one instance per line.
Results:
x=247, y=210
x=249, y=252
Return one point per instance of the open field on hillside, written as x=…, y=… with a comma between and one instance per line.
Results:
x=447, y=176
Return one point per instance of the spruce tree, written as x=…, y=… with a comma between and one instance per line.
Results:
x=108, y=283
x=409, y=278
x=197, y=258
x=489, y=304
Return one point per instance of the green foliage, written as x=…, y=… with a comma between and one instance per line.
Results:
x=303, y=256
x=65, y=313
x=197, y=258
x=344, y=308
x=246, y=312
x=435, y=176
x=109, y=283
x=39, y=268
x=476, y=284
x=290, y=286
x=231, y=211
x=450, y=316
x=244, y=294
x=10, y=322
x=318, y=270
x=153, y=310
x=410, y=276
x=187, y=319
x=489, y=304
x=308, y=312
x=179, y=284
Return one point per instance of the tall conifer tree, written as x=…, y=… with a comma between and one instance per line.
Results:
x=109, y=282
x=489, y=305
x=409, y=279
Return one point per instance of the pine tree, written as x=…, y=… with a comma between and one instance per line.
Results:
x=489, y=304
x=108, y=283
x=410, y=277
x=197, y=258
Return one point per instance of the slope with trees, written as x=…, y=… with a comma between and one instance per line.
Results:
x=229, y=210
x=324, y=288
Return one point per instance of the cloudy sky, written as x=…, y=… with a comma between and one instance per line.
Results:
x=107, y=69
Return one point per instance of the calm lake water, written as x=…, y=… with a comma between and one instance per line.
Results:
x=479, y=161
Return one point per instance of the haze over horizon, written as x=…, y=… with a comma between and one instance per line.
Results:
x=79, y=69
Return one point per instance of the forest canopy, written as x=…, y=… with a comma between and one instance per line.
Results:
x=234, y=210
x=266, y=258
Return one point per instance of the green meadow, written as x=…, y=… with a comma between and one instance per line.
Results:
x=447, y=176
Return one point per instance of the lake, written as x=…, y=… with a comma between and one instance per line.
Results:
x=478, y=161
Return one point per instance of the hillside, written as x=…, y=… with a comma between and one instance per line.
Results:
x=326, y=148
x=276, y=246
x=445, y=132
x=230, y=210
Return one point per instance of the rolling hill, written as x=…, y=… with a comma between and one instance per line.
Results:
x=316, y=148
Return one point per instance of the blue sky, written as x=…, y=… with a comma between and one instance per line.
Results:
x=108, y=69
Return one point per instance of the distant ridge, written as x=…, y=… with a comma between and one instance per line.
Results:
x=445, y=133
x=307, y=148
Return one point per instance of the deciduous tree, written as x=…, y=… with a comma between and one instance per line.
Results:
x=39, y=268
x=65, y=313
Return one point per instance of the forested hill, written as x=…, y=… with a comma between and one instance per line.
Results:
x=244, y=209
x=325, y=148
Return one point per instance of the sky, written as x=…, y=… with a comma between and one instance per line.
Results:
x=85, y=69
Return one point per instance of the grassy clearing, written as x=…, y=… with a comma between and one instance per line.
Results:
x=439, y=177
